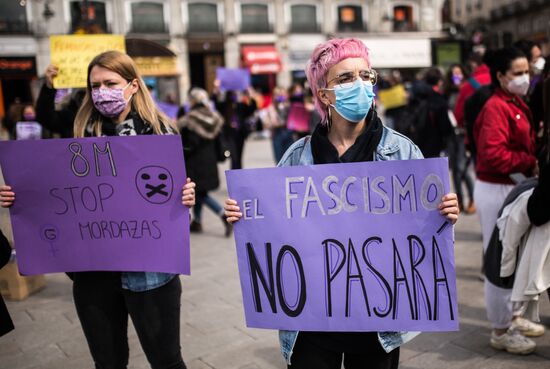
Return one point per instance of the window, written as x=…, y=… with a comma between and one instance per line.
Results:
x=203, y=17
x=350, y=18
x=403, y=19
x=303, y=18
x=147, y=17
x=469, y=6
x=255, y=18
x=479, y=4
x=458, y=8
x=13, y=17
x=90, y=18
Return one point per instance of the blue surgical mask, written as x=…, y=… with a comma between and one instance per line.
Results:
x=354, y=101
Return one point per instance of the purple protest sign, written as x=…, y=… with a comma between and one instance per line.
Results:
x=346, y=247
x=109, y=203
x=236, y=79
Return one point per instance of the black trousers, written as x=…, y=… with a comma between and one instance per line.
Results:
x=308, y=354
x=103, y=307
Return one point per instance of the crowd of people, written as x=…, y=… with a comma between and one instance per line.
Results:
x=487, y=116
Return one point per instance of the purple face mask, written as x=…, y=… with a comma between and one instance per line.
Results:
x=110, y=102
x=456, y=79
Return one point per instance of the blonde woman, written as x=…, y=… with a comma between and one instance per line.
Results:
x=117, y=103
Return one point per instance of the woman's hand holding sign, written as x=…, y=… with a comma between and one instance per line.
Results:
x=232, y=211
x=7, y=196
x=188, y=193
x=449, y=207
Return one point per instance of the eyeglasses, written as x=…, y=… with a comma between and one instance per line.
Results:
x=346, y=79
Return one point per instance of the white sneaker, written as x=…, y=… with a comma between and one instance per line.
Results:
x=527, y=327
x=513, y=342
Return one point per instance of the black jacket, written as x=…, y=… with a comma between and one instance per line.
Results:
x=437, y=126
x=61, y=121
x=200, y=130
x=538, y=206
x=6, y=324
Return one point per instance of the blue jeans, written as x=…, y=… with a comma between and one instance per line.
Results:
x=204, y=198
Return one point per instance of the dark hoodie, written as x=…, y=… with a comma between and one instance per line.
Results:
x=200, y=130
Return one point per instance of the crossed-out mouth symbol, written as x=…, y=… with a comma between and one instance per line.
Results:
x=155, y=184
x=156, y=189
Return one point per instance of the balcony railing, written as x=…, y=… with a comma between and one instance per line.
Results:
x=149, y=28
x=14, y=27
x=256, y=28
x=344, y=27
x=399, y=26
x=305, y=28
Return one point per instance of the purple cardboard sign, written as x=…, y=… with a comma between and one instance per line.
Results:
x=109, y=203
x=346, y=247
x=236, y=79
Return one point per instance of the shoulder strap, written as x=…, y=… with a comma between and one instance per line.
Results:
x=475, y=84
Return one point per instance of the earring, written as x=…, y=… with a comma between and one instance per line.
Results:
x=329, y=121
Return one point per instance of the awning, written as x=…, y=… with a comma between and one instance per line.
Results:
x=261, y=59
x=152, y=58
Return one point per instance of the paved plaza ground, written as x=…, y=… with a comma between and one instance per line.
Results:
x=214, y=336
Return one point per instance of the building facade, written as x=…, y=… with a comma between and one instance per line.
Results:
x=499, y=23
x=273, y=38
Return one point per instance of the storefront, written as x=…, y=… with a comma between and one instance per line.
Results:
x=159, y=67
x=16, y=76
x=264, y=64
x=393, y=53
x=205, y=56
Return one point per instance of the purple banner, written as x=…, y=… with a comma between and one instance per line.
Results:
x=346, y=247
x=110, y=203
x=236, y=79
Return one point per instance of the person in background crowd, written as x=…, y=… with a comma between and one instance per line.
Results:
x=57, y=121
x=505, y=145
x=274, y=119
x=117, y=103
x=479, y=77
x=538, y=206
x=342, y=79
x=298, y=115
x=6, y=324
x=200, y=131
x=533, y=52
x=394, y=99
x=437, y=127
x=13, y=115
x=454, y=79
x=458, y=158
x=241, y=124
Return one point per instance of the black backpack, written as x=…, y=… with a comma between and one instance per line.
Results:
x=472, y=108
x=413, y=121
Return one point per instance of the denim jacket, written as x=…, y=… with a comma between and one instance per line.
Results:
x=392, y=146
x=144, y=281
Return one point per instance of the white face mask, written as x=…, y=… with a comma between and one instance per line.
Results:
x=519, y=85
x=539, y=64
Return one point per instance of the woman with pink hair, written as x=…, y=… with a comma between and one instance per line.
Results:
x=342, y=80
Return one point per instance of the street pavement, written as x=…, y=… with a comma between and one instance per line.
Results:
x=214, y=335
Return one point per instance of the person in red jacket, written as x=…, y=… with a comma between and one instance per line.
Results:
x=505, y=144
x=481, y=76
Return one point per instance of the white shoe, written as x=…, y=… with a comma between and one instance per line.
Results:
x=513, y=342
x=527, y=327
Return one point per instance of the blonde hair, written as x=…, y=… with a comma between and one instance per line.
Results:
x=141, y=101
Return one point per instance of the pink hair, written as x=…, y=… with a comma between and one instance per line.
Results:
x=324, y=57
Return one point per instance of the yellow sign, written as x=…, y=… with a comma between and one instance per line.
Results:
x=72, y=54
x=393, y=97
x=154, y=66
